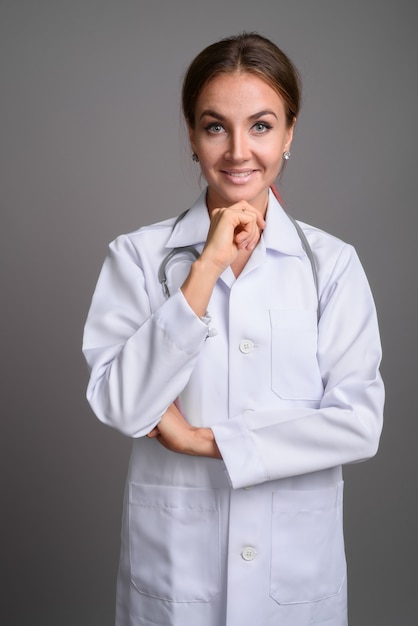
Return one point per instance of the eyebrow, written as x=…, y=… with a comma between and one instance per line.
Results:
x=221, y=118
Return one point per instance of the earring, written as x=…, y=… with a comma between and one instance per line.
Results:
x=286, y=155
x=195, y=158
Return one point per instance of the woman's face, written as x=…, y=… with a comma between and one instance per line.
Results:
x=239, y=136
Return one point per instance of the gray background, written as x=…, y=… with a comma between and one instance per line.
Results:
x=91, y=146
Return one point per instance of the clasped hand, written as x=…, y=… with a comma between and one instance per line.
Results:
x=176, y=434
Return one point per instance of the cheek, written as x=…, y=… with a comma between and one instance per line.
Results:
x=274, y=157
x=209, y=152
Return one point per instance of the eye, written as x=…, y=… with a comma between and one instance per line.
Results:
x=262, y=127
x=215, y=128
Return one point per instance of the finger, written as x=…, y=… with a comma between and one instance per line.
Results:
x=247, y=233
x=232, y=228
x=251, y=224
x=245, y=207
x=261, y=222
x=153, y=433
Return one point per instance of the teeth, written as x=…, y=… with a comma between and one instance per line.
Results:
x=239, y=174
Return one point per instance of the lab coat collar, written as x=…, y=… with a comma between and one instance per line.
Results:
x=193, y=228
x=279, y=235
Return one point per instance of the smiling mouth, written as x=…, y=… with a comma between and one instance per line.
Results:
x=243, y=174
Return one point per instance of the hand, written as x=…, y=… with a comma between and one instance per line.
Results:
x=232, y=229
x=176, y=434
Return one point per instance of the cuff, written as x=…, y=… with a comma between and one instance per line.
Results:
x=181, y=324
x=239, y=453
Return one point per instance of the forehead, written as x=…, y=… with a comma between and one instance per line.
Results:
x=238, y=92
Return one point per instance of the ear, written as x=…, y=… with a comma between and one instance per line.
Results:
x=289, y=137
x=191, y=137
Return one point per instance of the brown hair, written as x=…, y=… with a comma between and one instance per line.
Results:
x=247, y=52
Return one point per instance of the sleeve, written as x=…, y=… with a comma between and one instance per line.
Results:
x=139, y=359
x=271, y=444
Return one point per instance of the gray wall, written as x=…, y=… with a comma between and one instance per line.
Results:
x=91, y=146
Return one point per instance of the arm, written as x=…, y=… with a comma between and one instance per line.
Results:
x=140, y=360
x=271, y=444
x=233, y=232
x=177, y=435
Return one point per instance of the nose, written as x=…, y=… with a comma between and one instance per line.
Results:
x=238, y=148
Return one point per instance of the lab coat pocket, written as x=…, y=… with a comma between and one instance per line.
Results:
x=308, y=560
x=174, y=542
x=295, y=372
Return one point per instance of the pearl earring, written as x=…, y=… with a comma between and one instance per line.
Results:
x=286, y=155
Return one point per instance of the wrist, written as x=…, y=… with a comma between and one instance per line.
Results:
x=205, y=444
x=204, y=269
x=199, y=284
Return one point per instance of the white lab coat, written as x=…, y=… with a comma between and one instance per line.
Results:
x=255, y=539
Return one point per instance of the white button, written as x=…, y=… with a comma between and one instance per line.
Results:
x=248, y=553
x=246, y=346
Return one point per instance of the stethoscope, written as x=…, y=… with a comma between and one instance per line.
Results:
x=194, y=254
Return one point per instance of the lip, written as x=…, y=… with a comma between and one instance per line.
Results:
x=239, y=177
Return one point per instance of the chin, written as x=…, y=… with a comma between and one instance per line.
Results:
x=239, y=194
x=251, y=198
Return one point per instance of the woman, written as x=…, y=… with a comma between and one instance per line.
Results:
x=244, y=386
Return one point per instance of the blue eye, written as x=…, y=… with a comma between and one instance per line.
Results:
x=261, y=127
x=214, y=128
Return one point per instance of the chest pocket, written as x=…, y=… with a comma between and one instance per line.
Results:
x=295, y=372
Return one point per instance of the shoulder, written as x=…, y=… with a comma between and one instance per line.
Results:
x=146, y=239
x=334, y=258
x=319, y=238
x=324, y=245
x=189, y=228
x=156, y=231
